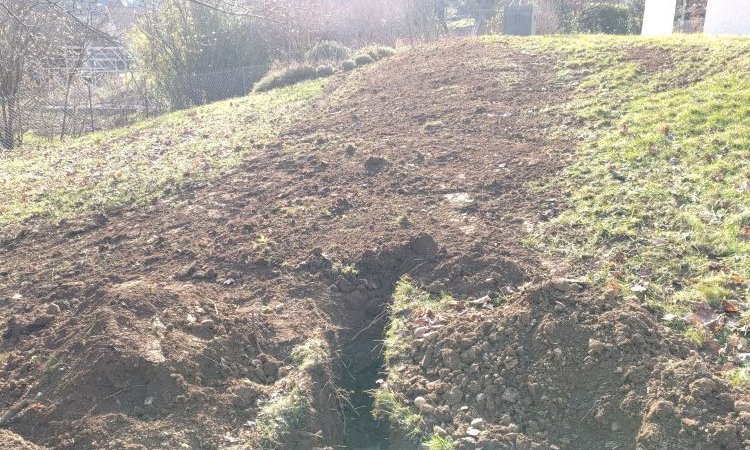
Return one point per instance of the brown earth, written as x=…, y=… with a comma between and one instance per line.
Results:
x=171, y=326
x=563, y=367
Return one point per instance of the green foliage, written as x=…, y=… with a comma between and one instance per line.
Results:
x=281, y=415
x=325, y=71
x=363, y=60
x=311, y=353
x=406, y=297
x=604, y=17
x=348, y=65
x=327, y=51
x=388, y=407
x=286, y=77
x=403, y=221
x=193, y=55
x=740, y=377
x=377, y=52
x=439, y=443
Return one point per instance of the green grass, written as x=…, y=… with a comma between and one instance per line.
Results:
x=659, y=195
x=283, y=414
x=388, y=407
x=408, y=299
x=152, y=159
x=439, y=443
x=311, y=353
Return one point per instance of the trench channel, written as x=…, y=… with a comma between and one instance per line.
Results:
x=365, y=300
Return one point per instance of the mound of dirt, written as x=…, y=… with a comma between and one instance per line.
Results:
x=563, y=368
x=12, y=441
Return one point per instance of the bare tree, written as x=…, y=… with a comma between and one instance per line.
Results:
x=34, y=36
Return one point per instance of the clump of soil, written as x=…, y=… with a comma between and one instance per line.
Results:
x=12, y=441
x=560, y=367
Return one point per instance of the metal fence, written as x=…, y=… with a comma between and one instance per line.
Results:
x=61, y=104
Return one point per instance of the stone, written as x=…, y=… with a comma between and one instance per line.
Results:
x=420, y=332
x=454, y=396
x=419, y=402
x=478, y=423
x=53, y=309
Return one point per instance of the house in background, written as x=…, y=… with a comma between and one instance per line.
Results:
x=716, y=17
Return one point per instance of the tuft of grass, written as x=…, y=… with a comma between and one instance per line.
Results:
x=388, y=407
x=740, y=377
x=433, y=125
x=327, y=51
x=346, y=270
x=439, y=443
x=312, y=353
x=287, y=77
x=403, y=221
x=281, y=415
x=347, y=65
x=363, y=60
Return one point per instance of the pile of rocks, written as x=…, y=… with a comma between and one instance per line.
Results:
x=560, y=367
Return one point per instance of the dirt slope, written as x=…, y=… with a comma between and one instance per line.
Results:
x=188, y=324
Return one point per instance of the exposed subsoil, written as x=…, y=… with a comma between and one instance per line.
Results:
x=564, y=367
x=171, y=326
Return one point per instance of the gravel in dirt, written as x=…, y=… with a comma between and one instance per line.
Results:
x=564, y=367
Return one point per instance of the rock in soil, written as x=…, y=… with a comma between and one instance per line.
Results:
x=601, y=375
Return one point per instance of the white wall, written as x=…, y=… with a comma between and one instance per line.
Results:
x=728, y=17
x=658, y=17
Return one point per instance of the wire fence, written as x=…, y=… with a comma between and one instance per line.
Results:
x=61, y=104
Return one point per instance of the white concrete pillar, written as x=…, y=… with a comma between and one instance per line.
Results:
x=728, y=17
x=658, y=17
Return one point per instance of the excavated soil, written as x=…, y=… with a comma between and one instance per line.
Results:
x=563, y=367
x=172, y=326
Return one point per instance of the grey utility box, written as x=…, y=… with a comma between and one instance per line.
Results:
x=519, y=20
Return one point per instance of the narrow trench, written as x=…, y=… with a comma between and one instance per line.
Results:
x=361, y=340
x=362, y=431
x=361, y=367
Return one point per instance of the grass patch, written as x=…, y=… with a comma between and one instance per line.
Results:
x=282, y=414
x=740, y=377
x=408, y=301
x=287, y=77
x=388, y=407
x=363, y=60
x=658, y=196
x=152, y=159
x=439, y=443
x=311, y=353
x=403, y=221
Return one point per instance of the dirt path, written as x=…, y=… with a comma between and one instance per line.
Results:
x=170, y=326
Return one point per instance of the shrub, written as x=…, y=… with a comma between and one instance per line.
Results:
x=377, y=52
x=605, y=18
x=362, y=60
x=286, y=77
x=325, y=51
x=325, y=71
x=348, y=65
x=191, y=55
